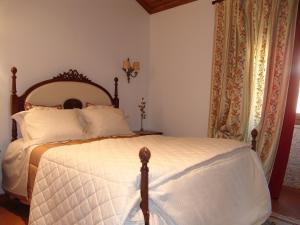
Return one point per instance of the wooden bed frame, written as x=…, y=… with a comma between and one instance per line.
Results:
x=17, y=105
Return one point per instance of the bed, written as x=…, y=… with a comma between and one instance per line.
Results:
x=98, y=179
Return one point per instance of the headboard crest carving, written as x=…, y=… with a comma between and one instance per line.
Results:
x=72, y=75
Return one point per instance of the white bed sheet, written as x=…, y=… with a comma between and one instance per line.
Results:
x=219, y=182
x=15, y=166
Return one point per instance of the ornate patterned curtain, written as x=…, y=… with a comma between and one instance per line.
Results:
x=251, y=67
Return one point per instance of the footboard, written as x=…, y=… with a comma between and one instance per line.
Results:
x=145, y=155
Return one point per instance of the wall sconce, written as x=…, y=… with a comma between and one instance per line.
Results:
x=131, y=70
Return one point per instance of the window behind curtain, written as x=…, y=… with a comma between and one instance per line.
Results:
x=298, y=109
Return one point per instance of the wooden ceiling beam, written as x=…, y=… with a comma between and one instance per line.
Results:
x=154, y=6
x=145, y=5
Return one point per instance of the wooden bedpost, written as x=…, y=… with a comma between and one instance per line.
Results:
x=14, y=103
x=116, y=98
x=145, y=156
x=254, y=133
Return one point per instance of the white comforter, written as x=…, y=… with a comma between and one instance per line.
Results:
x=192, y=182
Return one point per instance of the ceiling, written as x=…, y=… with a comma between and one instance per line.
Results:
x=154, y=6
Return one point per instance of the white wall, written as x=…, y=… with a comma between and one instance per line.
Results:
x=181, y=41
x=44, y=38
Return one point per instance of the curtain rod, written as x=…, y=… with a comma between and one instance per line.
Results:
x=216, y=1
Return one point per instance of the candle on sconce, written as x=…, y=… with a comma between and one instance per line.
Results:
x=136, y=66
x=126, y=65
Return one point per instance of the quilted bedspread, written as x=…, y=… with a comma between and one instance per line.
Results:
x=192, y=181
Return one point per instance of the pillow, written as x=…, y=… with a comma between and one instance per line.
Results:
x=41, y=126
x=19, y=118
x=103, y=121
x=28, y=106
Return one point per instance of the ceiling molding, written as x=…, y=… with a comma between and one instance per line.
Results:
x=154, y=6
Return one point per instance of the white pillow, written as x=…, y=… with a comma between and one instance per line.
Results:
x=41, y=126
x=103, y=121
x=19, y=118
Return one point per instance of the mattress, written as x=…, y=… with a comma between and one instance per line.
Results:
x=191, y=181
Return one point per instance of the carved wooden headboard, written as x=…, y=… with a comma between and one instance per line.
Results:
x=70, y=89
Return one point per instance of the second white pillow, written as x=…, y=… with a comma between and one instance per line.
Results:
x=103, y=121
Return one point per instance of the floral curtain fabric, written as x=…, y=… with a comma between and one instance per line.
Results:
x=251, y=67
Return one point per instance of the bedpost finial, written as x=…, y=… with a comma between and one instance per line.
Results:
x=144, y=155
x=14, y=70
x=254, y=134
x=116, y=80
